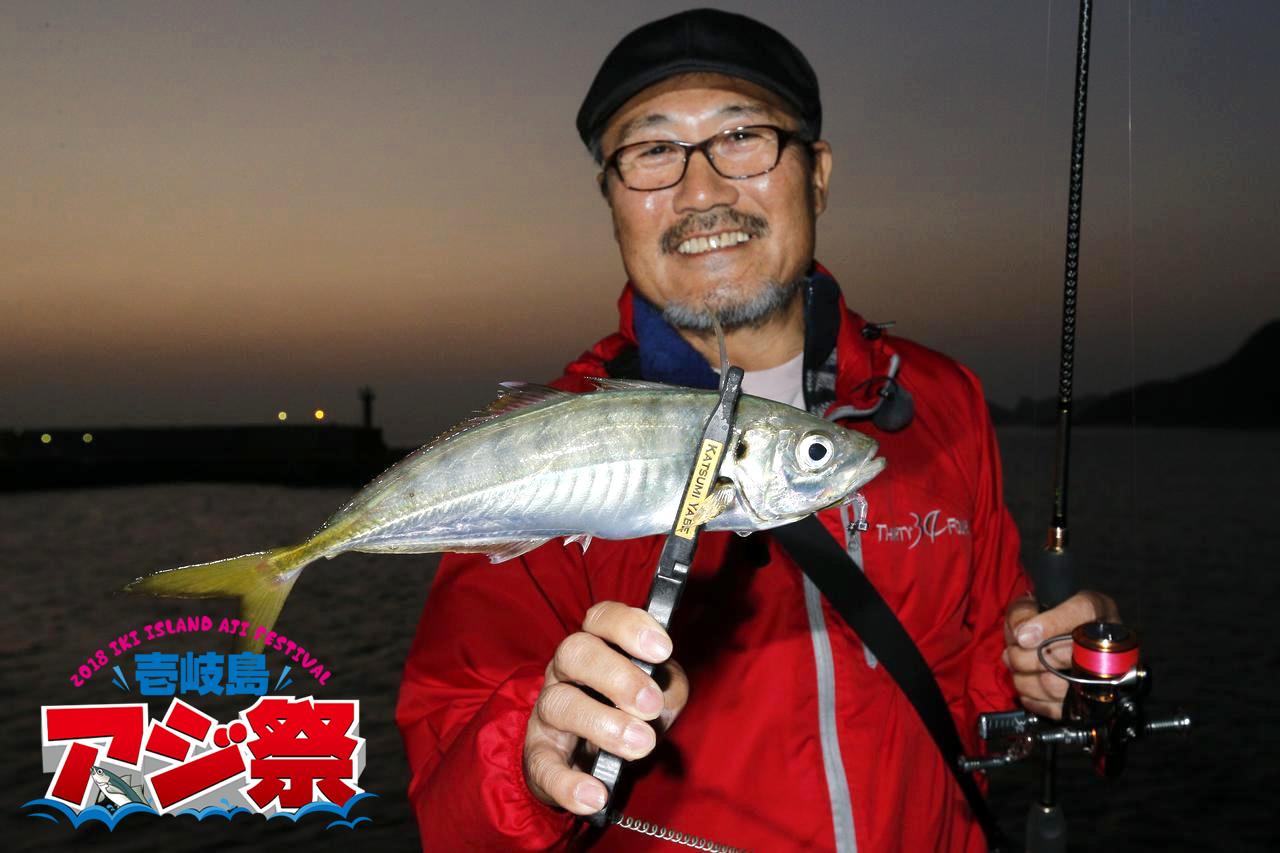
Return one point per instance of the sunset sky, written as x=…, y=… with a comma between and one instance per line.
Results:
x=212, y=211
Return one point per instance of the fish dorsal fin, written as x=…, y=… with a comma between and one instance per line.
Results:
x=608, y=383
x=513, y=396
x=453, y=432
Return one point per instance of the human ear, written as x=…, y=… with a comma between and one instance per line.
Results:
x=821, y=174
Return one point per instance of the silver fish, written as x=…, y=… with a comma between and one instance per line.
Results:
x=542, y=464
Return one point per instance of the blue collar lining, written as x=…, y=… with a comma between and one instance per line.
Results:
x=667, y=357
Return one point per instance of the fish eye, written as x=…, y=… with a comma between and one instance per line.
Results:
x=814, y=452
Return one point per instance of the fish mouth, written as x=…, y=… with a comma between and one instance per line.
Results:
x=866, y=471
x=870, y=467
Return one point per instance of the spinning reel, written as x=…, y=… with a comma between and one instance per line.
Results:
x=1101, y=714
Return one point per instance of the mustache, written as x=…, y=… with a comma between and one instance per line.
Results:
x=718, y=219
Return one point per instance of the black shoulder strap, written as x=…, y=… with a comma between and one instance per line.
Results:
x=849, y=591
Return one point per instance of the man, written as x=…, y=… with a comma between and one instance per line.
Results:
x=706, y=125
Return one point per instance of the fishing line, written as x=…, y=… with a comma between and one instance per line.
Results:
x=1138, y=566
x=1037, y=365
x=724, y=350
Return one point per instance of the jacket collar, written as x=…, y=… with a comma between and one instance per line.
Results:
x=664, y=355
x=861, y=351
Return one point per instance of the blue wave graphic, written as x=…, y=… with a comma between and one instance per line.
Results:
x=111, y=819
x=93, y=814
x=324, y=808
x=215, y=811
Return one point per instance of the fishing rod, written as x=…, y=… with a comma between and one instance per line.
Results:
x=1055, y=570
x=1102, y=712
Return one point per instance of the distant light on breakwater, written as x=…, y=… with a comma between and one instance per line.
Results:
x=282, y=416
x=45, y=438
x=87, y=438
x=319, y=414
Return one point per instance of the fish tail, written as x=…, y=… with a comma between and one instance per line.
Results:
x=261, y=581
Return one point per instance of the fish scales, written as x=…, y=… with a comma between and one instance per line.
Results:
x=544, y=459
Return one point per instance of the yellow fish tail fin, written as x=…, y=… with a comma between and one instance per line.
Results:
x=261, y=581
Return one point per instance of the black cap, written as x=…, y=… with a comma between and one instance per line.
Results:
x=706, y=40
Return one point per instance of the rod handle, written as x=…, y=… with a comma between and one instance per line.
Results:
x=1054, y=572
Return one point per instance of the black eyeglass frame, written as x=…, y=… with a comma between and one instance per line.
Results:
x=785, y=137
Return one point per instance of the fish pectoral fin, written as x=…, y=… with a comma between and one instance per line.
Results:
x=502, y=551
x=583, y=539
x=720, y=499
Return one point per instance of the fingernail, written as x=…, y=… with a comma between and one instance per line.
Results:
x=1030, y=635
x=655, y=646
x=638, y=737
x=590, y=794
x=649, y=701
x=1004, y=656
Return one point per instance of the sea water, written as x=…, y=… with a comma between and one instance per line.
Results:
x=1179, y=525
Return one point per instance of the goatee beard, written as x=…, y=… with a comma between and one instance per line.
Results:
x=733, y=313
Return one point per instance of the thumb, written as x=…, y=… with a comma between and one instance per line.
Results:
x=1084, y=606
x=1018, y=627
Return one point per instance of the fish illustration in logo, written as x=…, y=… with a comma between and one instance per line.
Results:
x=115, y=790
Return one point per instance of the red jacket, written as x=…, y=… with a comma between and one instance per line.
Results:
x=744, y=764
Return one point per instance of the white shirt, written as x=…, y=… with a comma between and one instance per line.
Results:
x=782, y=384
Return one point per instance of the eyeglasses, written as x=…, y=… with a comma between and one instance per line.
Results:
x=737, y=154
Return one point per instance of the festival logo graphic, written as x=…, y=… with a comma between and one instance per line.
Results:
x=280, y=755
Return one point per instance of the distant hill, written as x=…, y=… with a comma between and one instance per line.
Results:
x=1243, y=392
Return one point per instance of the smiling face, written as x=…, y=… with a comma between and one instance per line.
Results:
x=683, y=247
